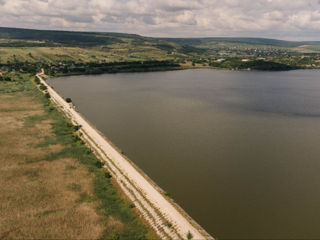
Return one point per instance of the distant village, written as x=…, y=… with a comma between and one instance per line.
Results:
x=228, y=58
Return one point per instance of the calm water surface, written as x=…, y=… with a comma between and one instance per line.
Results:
x=239, y=151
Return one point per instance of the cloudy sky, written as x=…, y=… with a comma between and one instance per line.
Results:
x=283, y=19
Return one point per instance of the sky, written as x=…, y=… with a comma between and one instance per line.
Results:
x=281, y=19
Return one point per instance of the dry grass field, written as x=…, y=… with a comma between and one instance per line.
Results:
x=40, y=199
x=49, y=188
x=115, y=52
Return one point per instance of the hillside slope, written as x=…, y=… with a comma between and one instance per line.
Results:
x=54, y=47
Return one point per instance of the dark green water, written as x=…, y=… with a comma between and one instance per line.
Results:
x=239, y=151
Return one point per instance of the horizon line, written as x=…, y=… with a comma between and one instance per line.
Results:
x=163, y=37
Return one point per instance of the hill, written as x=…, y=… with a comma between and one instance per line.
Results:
x=52, y=47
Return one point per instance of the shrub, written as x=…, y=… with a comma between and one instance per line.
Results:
x=115, y=236
x=108, y=175
x=166, y=194
x=99, y=164
x=88, y=151
x=132, y=205
x=68, y=100
x=47, y=95
x=43, y=87
x=36, y=80
x=76, y=127
x=189, y=236
x=76, y=138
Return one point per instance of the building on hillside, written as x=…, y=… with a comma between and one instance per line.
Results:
x=221, y=60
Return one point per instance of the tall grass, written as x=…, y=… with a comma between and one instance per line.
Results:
x=111, y=203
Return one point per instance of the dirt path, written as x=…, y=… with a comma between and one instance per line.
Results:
x=166, y=217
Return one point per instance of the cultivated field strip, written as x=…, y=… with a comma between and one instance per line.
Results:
x=167, y=219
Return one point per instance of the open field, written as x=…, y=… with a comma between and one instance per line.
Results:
x=51, y=185
x=76, y=54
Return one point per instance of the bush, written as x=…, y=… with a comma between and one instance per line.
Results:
x=108, y=175
x=166, y=194
x=76, y=138
x=69, y=125
x=47, y=95
x=99, y=164
x=68, y=100
x=36, y=80
x=76, y=127
x=43, y=87
x=189, y=236
x=88, y=151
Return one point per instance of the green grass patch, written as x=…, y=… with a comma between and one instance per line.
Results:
x=85, y=197
x=32, y=120
x=19, y=83
x=12, y=109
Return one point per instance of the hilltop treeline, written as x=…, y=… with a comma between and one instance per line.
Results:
x=112, y=67
x=261, y=65
x=72, y=68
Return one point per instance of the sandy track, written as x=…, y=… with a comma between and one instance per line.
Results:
x=149, y=199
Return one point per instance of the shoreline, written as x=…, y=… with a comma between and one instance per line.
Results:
x=164, y=215
x=180, y=69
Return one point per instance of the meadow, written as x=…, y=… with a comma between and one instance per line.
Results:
x=54, y=186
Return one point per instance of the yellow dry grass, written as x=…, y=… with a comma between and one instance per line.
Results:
x=40, y=200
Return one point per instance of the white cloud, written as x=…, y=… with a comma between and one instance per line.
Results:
x=175, y=18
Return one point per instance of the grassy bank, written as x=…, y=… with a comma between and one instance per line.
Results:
x=52, y=185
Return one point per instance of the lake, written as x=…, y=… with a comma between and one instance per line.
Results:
x=239, y=151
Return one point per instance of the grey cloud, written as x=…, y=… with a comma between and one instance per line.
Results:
x=148, y=20
x=81, y=19
x=181, y=18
